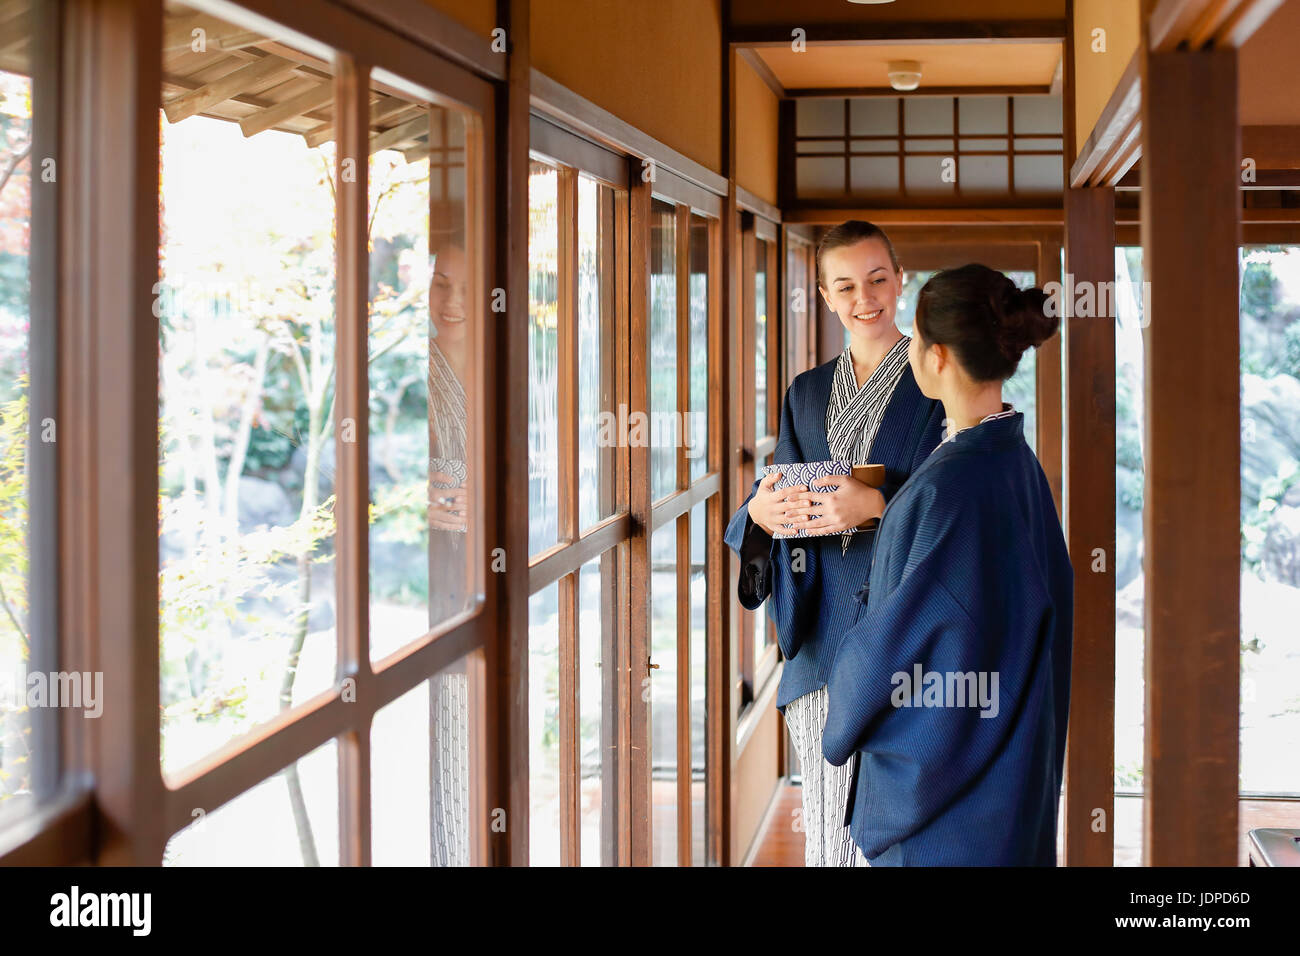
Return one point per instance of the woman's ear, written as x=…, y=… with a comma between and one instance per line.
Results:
x=942, y=357
x=825, y=298
x=898, y=283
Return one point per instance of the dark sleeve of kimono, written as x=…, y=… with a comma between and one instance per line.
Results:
x=962, y=604
x=755, y=547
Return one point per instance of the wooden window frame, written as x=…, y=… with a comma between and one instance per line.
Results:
x=109, y=398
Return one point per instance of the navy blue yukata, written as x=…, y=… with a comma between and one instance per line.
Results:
x=971, y=581
x=813, y=607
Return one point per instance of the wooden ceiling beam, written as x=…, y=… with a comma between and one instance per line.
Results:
x=840, y=92
x=241, y=80
x=926, y=217
x=1197, y=24
x=877, y=33
x=304, y=102
x=1117, y=127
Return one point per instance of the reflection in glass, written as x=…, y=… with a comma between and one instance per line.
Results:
x=246, y=403
x=761, y=427
x=422, y=348
x=419, y=775
x=27, y=737
x=595, y=351
x=261, y=827
x=544, y=727
x=543, y=357
x=596, y=762
x=663, y=347
x=696, y=431
x=663, y=694
x=699, y=657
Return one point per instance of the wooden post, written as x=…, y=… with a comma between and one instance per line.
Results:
x=352, y=93
x=1089, y=339
x=108, y=440
x=1190, y=234
x=506, y=664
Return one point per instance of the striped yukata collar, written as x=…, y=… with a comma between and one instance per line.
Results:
x=853, y=415
x=1007, y=412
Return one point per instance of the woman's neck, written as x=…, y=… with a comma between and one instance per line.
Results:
x=967, y=406
x=867, y=354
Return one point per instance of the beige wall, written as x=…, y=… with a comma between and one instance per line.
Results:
x=756, y=133
x=837, y=11
x=754, y=779
x=479, y=15
x=655, y=65
x=1096, y=74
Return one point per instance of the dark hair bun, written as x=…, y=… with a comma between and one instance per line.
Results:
x=1022, y=320
x=984, y=318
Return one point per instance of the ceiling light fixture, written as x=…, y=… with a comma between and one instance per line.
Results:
x=904, y=75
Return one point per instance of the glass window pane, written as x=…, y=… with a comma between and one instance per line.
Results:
x=982, y=115
x=820, y=146
x=544, y=727
x=815, y=116
x=761, y=426
x=246, y=392
x=1038, y=174
x=1130, y=597
x=28, y=732
x=663, y=348
x=597, y=633
x=873, y=116
x=543, y=357
x=696, y=431
x=663, y=694
x=982, y=174
x=424, y=330
x=596, y=460
x=290, y=819
x=419, y=774
x=699, y=598
x=873, y=174
x=927, y=116
x=819, y=176
x=1037, y=115
x=1270, y=519
x=924, y=176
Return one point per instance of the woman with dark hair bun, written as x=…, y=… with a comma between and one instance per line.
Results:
x=949, y=697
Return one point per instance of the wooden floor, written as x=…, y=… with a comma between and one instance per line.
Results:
x=781, y=844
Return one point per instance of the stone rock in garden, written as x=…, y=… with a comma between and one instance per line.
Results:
x=263, y=503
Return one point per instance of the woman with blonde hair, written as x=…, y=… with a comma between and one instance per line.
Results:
x=861, y=407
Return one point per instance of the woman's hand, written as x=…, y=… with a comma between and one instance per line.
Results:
x=769, y=508
x=448, y=507
x=842, y=502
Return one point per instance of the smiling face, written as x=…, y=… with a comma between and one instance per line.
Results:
x=447, y=294
x=860, y=285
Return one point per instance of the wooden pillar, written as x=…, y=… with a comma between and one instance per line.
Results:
x=506, y=656
x=1089, y=341
x=640, y=218
x=108, y=439
x=1047, y=383
x=1190, y=234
